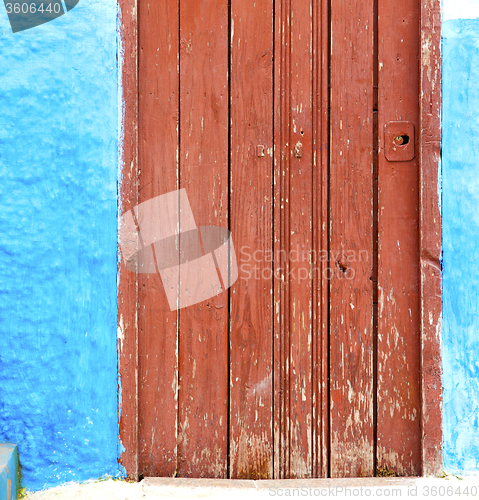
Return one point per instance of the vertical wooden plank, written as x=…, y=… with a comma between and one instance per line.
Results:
x=351, y=292
x=399, y=348
x=299, y=176
x=158, y=150
x=251, y=445
x=320, y=365
x=203, y=344
x=298, y=204
x=430, y=236
x=127, y=281
x=282, y=161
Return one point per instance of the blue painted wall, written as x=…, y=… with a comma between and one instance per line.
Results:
x=460, y=204
x=58, y=187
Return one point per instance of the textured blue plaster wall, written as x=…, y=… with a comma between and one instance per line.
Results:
x=460, y=204
x=58, y=188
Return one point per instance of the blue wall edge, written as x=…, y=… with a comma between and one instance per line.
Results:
x=460, y=219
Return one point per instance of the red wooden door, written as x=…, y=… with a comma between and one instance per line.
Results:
x=291, y=124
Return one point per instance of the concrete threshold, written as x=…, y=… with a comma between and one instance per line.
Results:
x=218, y=489
x=8, y=471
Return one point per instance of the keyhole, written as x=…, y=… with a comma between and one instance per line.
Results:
x=402, y=140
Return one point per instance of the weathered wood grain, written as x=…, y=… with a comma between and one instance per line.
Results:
x=399, y=398
x=127, y=282
x=158, y=163
x=253, y=402
x=430, y=235
x=203, y=328
x=300, y=183
x=320, y=223
x=282, y=291
x=351, y=238
x=251, y=191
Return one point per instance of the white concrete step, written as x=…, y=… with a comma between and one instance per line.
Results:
x=8, y=471
x=165, y=488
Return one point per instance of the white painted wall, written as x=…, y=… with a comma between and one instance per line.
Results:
x=460, y=9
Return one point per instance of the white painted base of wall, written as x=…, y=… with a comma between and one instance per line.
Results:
x=188, y=489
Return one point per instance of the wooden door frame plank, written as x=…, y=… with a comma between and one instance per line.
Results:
x=430, y=237
x=127, y=344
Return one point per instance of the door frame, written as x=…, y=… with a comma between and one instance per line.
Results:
x=429, y=228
